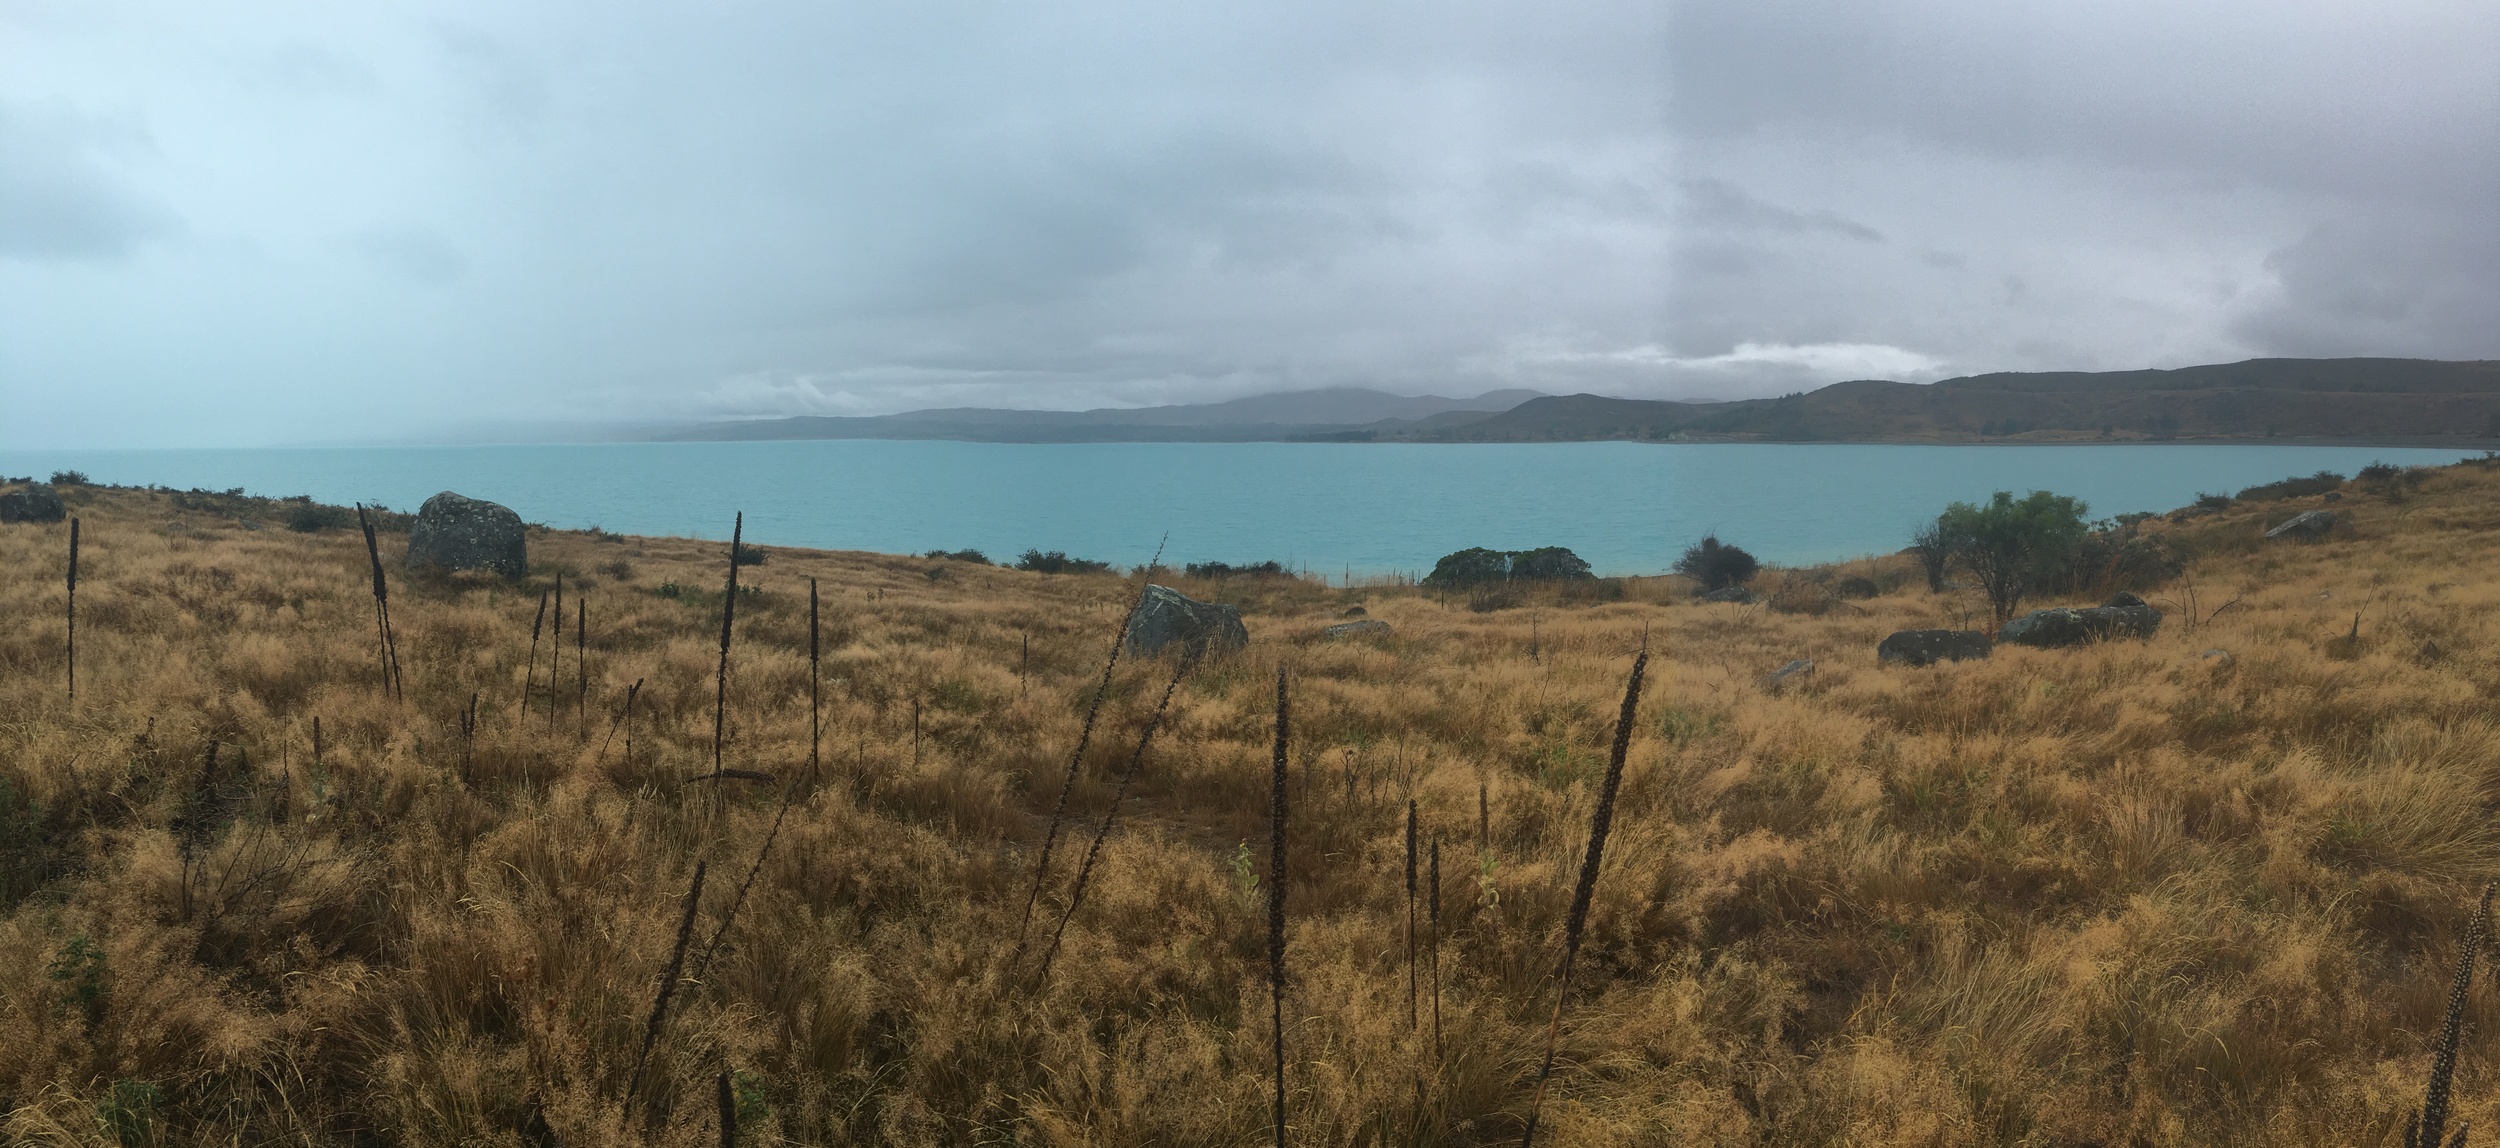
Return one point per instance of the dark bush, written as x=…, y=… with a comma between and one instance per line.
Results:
x=2375, y=472
x=69, y=478
x=1473, y=566
x=2319, y=483
x=2213, y=501
x=1548, y=564
x=972, y=556
x=618, y=569
x=1056, y=562
x=751, y=555
x=1269, y=569
x=1477, y=566
x=1856, y=586
x=309, y=517
x=1717, y=565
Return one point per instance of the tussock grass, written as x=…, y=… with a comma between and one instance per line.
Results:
x=2127, y=893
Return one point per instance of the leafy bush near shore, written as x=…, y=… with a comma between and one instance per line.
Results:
x=974, y=557
x=1477, y=566
x=1716, y=565
x=1057, y=562
x=1268, y=569
x=2319, y=483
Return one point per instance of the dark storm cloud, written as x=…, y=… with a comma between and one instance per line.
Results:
x=2097, y=185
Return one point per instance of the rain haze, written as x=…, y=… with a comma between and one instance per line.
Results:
x=237, y=224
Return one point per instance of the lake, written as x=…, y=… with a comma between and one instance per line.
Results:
x=1372, y=509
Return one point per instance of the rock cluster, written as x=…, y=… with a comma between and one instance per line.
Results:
x=2123, y=616
x=1365, y=628
x=1928, y=647
x=34, y=503
x=453, y=532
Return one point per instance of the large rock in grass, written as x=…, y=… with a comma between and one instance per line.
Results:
x=1166, y=618
x=453, y=532
x=2123, y=616
x=2306, y=526
x=1928, y=647
x=32, y=503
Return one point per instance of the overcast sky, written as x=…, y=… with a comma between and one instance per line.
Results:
x=233, y=223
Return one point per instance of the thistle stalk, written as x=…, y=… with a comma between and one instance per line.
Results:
x=1578, y=918
x=1076, y=758
x=1276, y=902
x=1136, y=762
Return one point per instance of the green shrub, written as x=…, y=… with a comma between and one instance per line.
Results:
x=69, y=478
x=2014, y=548
x=2319, y=483
x=752, y=555
x=1057, y=562
x=972, y=556
x=1268, y=569
x=1477, y=566
x=1717, y=565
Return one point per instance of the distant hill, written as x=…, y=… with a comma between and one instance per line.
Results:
x=2256, y=400
x=2374, y=399
x=1333, y=413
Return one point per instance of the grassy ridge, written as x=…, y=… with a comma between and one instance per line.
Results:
x=2134, y=892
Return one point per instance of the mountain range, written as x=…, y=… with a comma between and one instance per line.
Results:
x=2254, y=400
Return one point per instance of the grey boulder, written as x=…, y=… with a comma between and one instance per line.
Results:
x=35, y=503
x=2123, y=616
x=2306, y=526
x=1928, y=647
x=453, y=532
x=1166, y=617
x=1365, y=628
x=1781, y=676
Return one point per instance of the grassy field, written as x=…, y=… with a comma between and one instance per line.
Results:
x=2137, y=893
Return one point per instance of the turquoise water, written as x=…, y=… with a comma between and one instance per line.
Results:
x=1628, y=508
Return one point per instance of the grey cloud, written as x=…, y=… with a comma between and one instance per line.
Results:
x=2424, y=282
x=1718, y=204
x=60, y=195
x=786, y=205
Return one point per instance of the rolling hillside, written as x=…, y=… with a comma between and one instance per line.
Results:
x=2373, y=399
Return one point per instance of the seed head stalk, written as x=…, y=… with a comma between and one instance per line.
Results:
x=1599, y=823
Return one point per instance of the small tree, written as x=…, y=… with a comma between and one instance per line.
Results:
x=1927, y=545
x=1716, y=565
x=2013, y=547
x=1470, y=567
x=1549, y=564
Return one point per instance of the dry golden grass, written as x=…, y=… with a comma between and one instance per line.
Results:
x=2124, y=894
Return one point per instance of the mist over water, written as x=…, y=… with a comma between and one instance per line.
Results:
x=1371, y=509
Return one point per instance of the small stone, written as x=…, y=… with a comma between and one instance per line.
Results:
x=32, y=503
x=1365, y=628
x=453, y=532
x=1928, y=647
x=1166, y=617
x=1780, y=677
x=2217, y=657
x=1354, y=612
